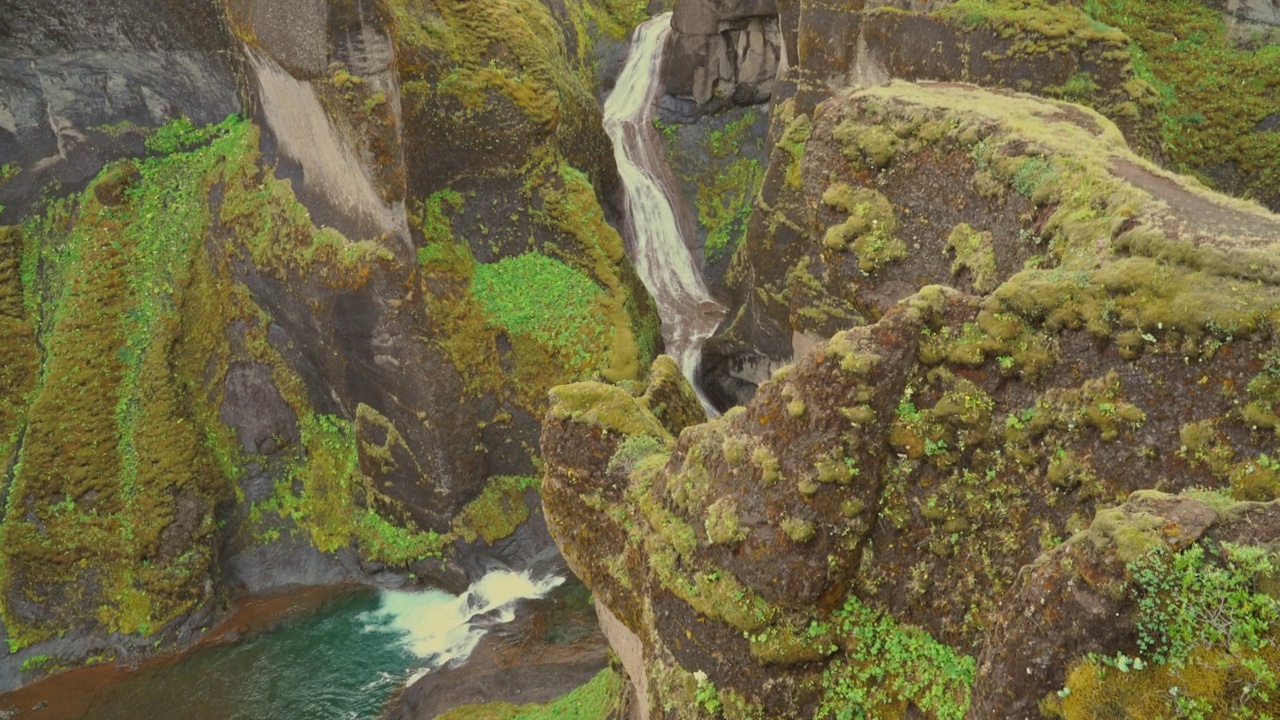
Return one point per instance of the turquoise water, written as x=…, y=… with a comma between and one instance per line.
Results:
x=340, y=663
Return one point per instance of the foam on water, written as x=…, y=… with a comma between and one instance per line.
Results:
x=440, y=628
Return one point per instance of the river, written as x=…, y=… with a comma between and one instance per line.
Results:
x=319, y=655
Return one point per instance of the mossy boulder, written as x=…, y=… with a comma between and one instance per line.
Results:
x=1070, y=326
x=1092, y=605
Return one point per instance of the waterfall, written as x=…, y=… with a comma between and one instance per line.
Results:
x=662, y=259
x=440, y=628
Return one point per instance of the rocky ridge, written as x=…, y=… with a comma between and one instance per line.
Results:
x=917, y=518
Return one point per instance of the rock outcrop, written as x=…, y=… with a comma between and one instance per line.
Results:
x=730, y=52
x=1043, y=324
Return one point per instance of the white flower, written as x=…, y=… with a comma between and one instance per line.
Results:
x=700, y=676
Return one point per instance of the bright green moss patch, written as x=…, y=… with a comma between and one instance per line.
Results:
x=543, y=299
x=599, y=699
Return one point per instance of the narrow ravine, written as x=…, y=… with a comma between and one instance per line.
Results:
x=659, y=251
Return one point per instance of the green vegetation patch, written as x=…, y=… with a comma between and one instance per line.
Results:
x=497, y=511
x=1015, y=18
x=600, y=698
x=1213, y=94
x=542, y=299
x=335, y=504
x=870, y=230
x=1206, y=642
x=885, y=665
x=725, y=177
x=113, y=434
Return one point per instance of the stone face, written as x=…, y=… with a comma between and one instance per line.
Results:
x=264, y=422
x=730, y=51
x=69, y=70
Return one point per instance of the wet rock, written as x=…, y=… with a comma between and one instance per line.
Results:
x=264, y=422
x=552, y=647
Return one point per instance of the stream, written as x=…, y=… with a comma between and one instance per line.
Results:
x=339, y=656
x=656, y=234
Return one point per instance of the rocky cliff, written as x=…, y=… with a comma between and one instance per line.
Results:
x=1040, y=458
x=309, y=342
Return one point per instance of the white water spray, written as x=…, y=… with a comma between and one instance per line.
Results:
x=689, y=314
x=442, y=628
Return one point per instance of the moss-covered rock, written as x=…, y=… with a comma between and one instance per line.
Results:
x=1107, y=329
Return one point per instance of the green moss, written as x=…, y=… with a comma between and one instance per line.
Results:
x=607, y=407
x=1257, y=479
x=975, y=252
x=497, y=512
x=793, y=141
x=1131, y=534
x=534, y=297
x=799, y=530
x=1204, y=443
x=763, y=458
x=634, y=449
x=722, y=524
x=1183, y=48
x=670, y=543
x=1206, y=642
x=788, y=643
x=113, y=433
x=598, y=699
x=1038, y=17
x=869, y=231
x=724, y=175
x=337, y=505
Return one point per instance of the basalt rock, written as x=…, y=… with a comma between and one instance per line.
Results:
x=1013, y=323
x=727, y=51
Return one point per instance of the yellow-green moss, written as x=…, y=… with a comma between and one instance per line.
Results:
x=975, y=252
x=869, y=231
x=607, y=407
x=497, y=512
x=119, y=427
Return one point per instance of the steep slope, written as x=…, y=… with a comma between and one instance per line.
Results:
x=1044, y=324
x=308, y=346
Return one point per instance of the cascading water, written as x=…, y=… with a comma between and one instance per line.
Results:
x=689, y=314
x=440, y=628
